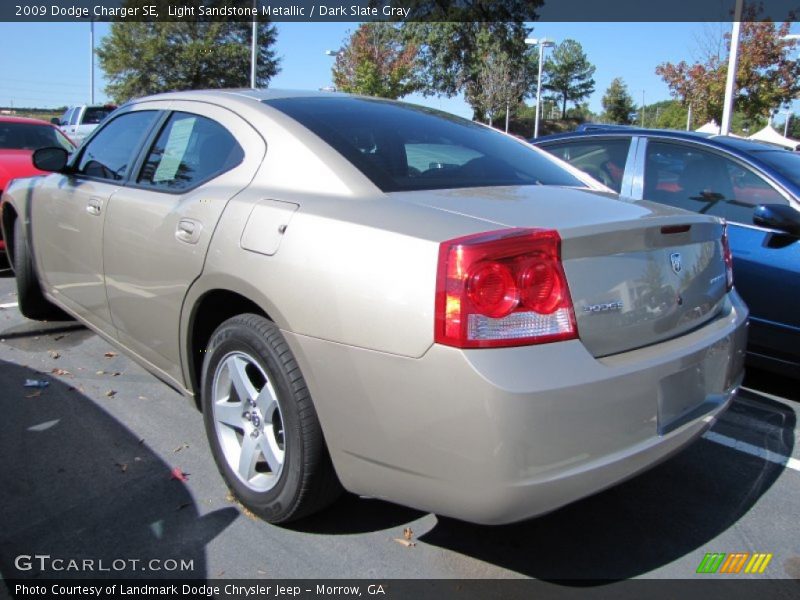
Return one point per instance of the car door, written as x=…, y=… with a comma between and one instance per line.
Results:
x=68, y=212
x=765, y=261
x=158, y=227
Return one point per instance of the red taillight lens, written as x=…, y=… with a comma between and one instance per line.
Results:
x=727, y=256
x=503, y=288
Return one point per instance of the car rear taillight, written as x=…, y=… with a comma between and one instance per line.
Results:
x=727, y=256
x=503, y=288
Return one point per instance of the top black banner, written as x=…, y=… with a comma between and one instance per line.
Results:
x=395, y=10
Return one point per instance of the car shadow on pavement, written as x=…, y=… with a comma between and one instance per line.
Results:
x=352, y=514
x=77, y=485
x=643, y=524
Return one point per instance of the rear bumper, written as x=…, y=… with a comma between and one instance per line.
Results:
x=496, y=436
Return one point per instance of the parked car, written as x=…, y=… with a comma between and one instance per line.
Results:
x=79, y=121
x=19, y=137
x=379, y=296
x=754, y=186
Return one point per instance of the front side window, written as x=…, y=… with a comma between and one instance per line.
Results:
x=76, y=113
x=694, y=179
x=602, y=159
x=189, y=151
x=406, y=147
x=109, y=154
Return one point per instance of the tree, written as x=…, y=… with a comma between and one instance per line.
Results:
x=452, y=55
x=141, y=58
x=765, y=78
x=376, y=62
x=618, y=103
x=569, y=74
x=499, y=85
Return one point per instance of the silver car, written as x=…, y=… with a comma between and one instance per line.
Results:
x=375, y=296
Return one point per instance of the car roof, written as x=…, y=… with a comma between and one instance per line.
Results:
x=257, y=94
x=29, y=121
x=724, y=141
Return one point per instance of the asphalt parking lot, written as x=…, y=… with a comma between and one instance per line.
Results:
x=86, y=473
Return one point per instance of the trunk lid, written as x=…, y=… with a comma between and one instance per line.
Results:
x=639, y=273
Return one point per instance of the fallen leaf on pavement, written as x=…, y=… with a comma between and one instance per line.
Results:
x=34, y=395
x=122, y=467
x=181, y=447
x=110, y=354
x=407, y=533
x=62, y=372
x=111, y=393
x=54, y=355
x=60, y=337
x=176, y=473
x=405, y=543
x=184, y=505
x=99, y=372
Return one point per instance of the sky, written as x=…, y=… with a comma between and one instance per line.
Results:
x=47, y=64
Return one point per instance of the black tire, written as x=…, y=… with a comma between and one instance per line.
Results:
x=31, y=300
x=306, y=481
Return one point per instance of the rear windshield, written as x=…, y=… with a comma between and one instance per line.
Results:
x=30, y=136
x=405, y=147
x=784, y=162
x=95, y=114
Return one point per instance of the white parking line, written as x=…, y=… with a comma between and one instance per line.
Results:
x=773, y=457
x=9, y=305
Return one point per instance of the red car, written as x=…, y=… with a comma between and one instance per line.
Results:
x=19, y=137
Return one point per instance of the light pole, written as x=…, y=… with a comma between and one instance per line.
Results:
x=543, y=43
x=91, y=61
x=733, y=62
x=253, y=46
x=333, y=54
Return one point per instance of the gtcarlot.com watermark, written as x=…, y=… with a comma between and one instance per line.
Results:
x=47, y=563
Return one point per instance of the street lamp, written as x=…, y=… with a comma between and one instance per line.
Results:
x=543, y=43
x=254, y=47
x=733, y=62
x=332, y=54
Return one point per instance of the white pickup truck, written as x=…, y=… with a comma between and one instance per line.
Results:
x=79, y=121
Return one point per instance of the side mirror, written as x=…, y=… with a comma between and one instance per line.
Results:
x=50, y=159
x=778, y=216
x=56, y=121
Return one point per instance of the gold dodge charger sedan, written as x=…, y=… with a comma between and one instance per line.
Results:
x=380, y=297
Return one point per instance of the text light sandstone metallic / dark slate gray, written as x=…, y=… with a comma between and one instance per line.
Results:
x=375, y=296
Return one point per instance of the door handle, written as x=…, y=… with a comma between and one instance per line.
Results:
x=188, y=231
x=93, y=206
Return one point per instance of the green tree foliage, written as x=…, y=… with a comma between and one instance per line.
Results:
x=141, y=58
x=569, y=74
x=375, y=61
x=766, y=76
x=453, y=55
x=618, y=103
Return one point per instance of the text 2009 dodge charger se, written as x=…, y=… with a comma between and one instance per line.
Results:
x=371, y=295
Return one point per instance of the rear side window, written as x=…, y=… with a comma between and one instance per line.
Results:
x=109, y=154
x=95, y=114
x=699, y=180
x=406, y=147
x=602, y=159
x=190, y=150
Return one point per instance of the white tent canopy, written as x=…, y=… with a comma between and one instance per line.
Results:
x=710, y=127
x=769, y=135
